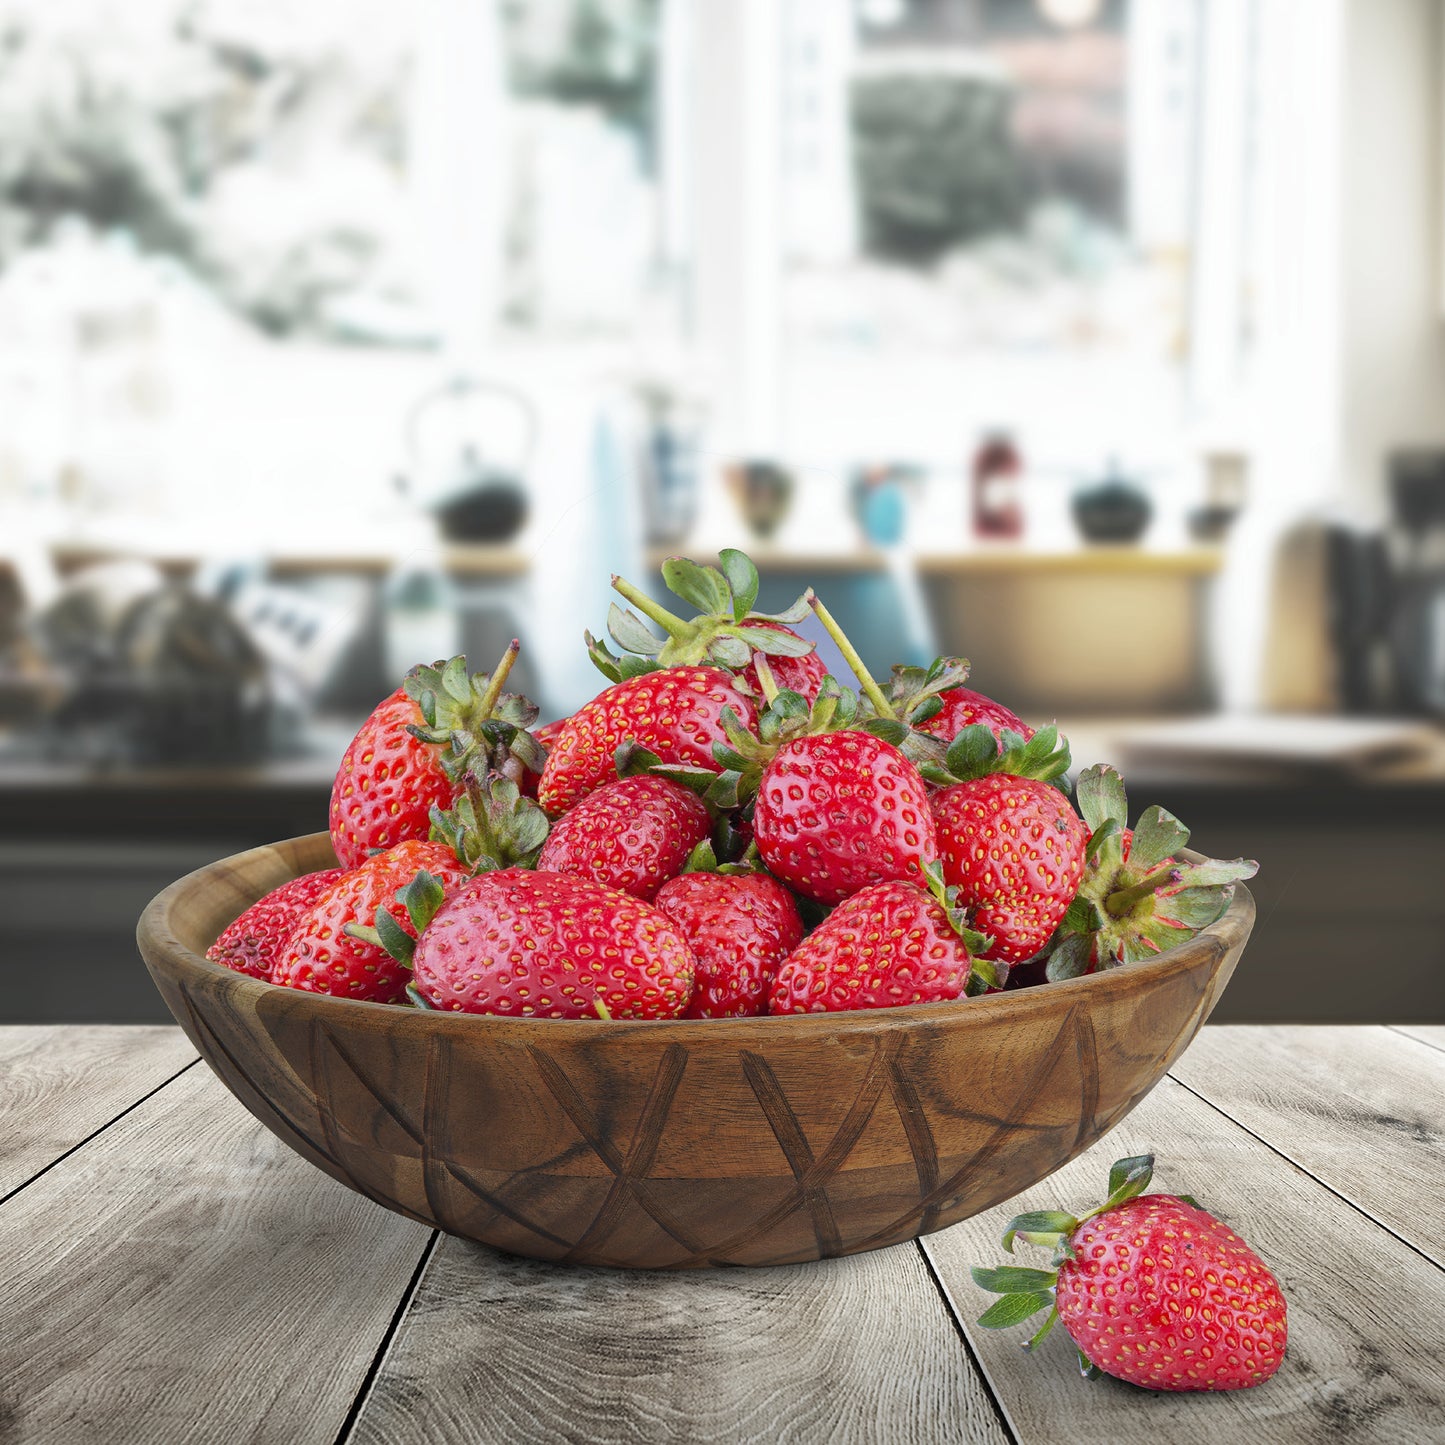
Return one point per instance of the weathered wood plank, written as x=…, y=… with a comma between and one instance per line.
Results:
x=184, y=1276
x=1432, y=1034
x=58, y=1085
x=501, y=1349
x=1362, y=1109
x=1366, y=1355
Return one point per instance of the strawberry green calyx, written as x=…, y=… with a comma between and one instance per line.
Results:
x=1137, y=897
x=786, y=717
x=724, y=634
x=1024, y=1292
x=492, y=826
x=421, y=898
x=911, y=699
x=985, y=973
x=976, y=752
x=707, y=858
x=913, y=692
x=471, y=719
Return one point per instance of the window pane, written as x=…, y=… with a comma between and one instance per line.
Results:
x=988, y=207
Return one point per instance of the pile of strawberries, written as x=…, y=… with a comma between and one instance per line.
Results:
x=725, y=830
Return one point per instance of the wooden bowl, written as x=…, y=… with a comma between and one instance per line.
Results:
x=647, y=1145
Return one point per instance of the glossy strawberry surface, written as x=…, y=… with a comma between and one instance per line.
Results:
x=803, y=675
x=838, y=811
x=889, y=945
x=741, y=927
x=962, y=707
x=548, y=945
x=1162, y=1294
x=674, y=713
x=1015, y=849
x=386, y=784
x=253, y=943
x=320, y=957
x=632, y=834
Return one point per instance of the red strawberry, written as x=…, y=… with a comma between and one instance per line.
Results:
x=547, y=945
x=632, y=834
x=675, y=713
x=840, y=810
x=320, y=957
x=741, y=927
x=254, y=941
x=410, y=754
x=963, y=707
x=889, y=945
x=387, y=783
x=1151, y=1288
x=1014, y=848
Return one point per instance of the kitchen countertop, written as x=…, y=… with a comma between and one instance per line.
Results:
x=178, y=1275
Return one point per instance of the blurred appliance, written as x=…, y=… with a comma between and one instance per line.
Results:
x=455, y=474
x=1417, y=632
x=1327, y=645
x=155, y=673
x=1112, y=508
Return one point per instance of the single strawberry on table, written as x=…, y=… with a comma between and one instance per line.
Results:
x=741, y=927
x=889, y=945
x=253, y=942
x=322, y=956
x=1151, y=1288
x=632, y=834
x=541, y=945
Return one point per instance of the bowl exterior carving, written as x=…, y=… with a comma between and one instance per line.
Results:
x=678, y=1144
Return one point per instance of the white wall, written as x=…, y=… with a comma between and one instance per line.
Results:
x=1392, y=327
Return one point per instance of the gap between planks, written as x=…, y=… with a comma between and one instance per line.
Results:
x=96, y=1133
x=985, y=1379
x=1308, y=1173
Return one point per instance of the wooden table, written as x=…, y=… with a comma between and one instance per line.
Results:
x=173, y=1273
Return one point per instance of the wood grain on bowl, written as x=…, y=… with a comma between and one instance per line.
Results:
x=738, y=1141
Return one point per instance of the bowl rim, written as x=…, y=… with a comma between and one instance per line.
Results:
x=154, y=933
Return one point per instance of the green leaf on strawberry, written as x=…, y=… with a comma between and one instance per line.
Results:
x=727, y=632
x=1137, y=896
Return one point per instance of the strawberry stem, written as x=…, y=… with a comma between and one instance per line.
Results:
x=865, y=678
x=1122, y=900
x=765, y=676
x=670, y=622
x=498, y=677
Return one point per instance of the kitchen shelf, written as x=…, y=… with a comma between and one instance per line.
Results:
x=1010, y=559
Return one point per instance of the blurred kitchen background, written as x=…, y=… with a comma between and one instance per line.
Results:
x=1100, y=342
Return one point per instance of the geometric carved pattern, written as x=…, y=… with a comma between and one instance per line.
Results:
x=587, y=1143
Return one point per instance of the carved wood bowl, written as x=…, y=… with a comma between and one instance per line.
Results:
x=647, y=1145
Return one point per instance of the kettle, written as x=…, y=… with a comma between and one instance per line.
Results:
x=474, y=497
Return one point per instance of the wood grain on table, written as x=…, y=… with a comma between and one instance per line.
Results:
x=174, y=1273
